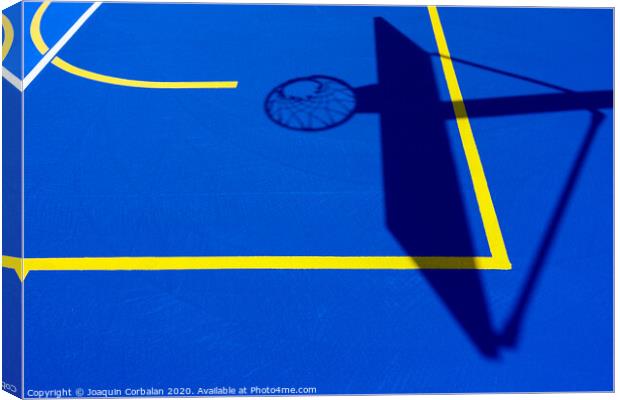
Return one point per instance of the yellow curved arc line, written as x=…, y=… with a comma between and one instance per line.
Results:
x=37, y=39
x=497, y=261
x=8, y=36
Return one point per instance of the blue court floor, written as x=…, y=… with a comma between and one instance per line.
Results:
x=356, y=199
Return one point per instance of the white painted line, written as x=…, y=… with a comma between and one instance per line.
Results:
x=51, y=53
x=12, y=79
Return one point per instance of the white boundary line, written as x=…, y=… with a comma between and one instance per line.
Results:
x=51, y=53
x=12, y=79
x=474, y=3
x=439, y=3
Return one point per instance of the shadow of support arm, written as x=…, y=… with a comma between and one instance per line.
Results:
x=490, y=107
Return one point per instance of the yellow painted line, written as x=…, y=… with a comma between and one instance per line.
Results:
x=481, y=187
x=14, y=263
x=8, y=36
x=39, y=42
x=497, y=261
x=248, y=262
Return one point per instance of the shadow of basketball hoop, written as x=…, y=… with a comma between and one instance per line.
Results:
x=423, y=202
x=313, y=103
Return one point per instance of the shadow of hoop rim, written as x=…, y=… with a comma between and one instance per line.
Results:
x=307, y=78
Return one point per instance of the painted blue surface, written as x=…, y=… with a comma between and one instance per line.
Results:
x=13, y=60
x=12, y=211
x=235, y=181
x=11, y=333
x=11, y=170
x=63, y=17
x=115, y=171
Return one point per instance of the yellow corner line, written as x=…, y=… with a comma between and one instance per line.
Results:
x=247, y=262
x=479, y=181
x=8, y=36
x=37, y=39
x=498, y=260
x=16, y=264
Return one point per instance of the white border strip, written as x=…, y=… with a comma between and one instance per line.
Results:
x=49, y=56
x=12, y=79
x=419, y=3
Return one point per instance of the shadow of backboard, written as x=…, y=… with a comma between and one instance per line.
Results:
x=424, y=206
